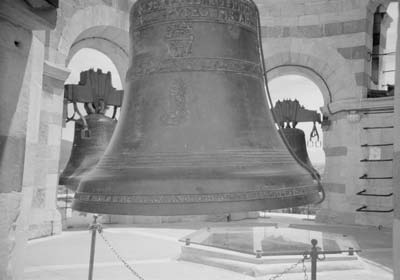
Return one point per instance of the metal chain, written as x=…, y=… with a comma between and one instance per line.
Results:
x=290, y=268
x=119, y=256
x=305, y=268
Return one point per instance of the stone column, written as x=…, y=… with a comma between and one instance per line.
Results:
x=21, y=57
x=396, y=165
x=43, y=152
x=16, y=61
x=21, y=70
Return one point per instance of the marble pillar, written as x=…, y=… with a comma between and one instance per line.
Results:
x=21, y=58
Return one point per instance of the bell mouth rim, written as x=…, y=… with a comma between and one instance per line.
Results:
x=193, y=208
x=137, y=14
x=194, y=195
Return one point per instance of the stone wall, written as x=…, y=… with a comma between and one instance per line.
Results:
x=43, y=151
x=21, y=60
x=21, y=54
x=330, y=42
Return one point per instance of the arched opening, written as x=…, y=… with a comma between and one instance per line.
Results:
x=305, y=86
x=111, y=41
x=82, y=60
x=309, y=95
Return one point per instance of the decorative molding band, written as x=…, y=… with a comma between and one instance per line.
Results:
x=355, y=52
x=55, y=71
x=219, y=160
x=366, y=104
x=315, y=30
x=190, y=64
x=149, y=12
x=282, y=193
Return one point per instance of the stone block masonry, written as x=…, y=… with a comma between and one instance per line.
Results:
x=329, y=41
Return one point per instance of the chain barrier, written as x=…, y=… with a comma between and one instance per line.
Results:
x=293, y=266
x=304, y=266
x=119, y=257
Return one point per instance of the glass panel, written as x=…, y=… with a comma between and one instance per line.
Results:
x=271, y=240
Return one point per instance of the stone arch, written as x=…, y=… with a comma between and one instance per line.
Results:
x=98, y=38
x=318, y=62
x=309, y=73
x=100, y=27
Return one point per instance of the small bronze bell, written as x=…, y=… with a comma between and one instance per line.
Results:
x=288, y=113
x=297, y=142
x=93, y=131
x=195, y=135
x=89, y=144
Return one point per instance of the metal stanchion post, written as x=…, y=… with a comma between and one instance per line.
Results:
x=314, y=257
x=94, y=227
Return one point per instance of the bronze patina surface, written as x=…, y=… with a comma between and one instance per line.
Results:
x=195, y=135
x=297, y=142
x=94, y=130
x=87, y=149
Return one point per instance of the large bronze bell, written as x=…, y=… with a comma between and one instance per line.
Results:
x=195, y=135
x=89, y=144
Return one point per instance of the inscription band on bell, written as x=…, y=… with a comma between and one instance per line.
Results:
x=188, y=64
x=237, y=12
x=198, y=198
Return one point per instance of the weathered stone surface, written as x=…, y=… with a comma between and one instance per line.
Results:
x=335, y=151
x=356, y=52
x=43, y=153
x=334, y=187
x=332, y=29
x=12, y=154
x=10, y=204
x=334, y=217
x=362, y=79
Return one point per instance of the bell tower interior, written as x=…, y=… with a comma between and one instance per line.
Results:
x=341, y=51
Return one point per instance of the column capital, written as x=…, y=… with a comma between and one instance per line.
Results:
x=55, y=71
